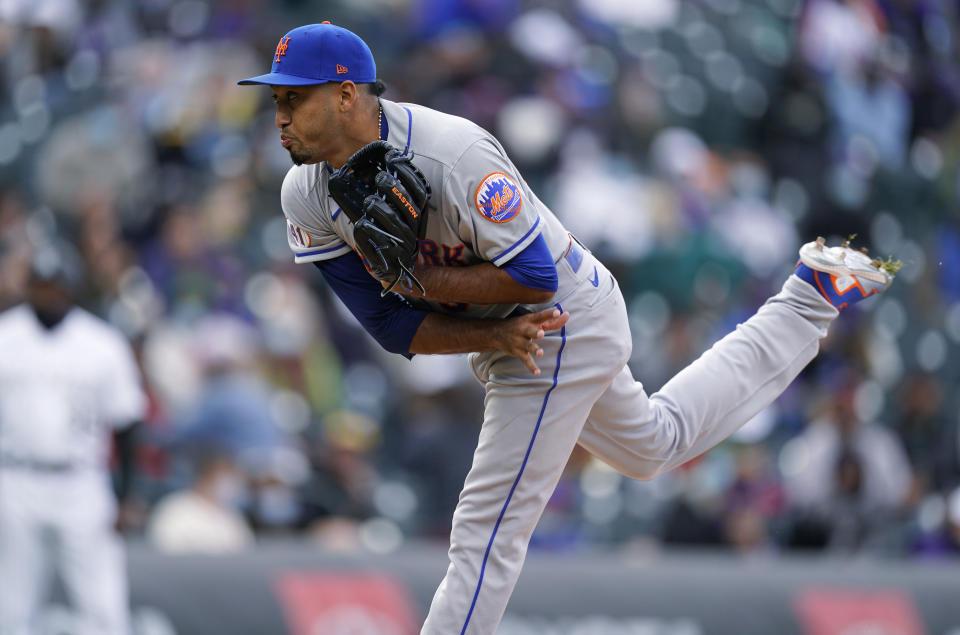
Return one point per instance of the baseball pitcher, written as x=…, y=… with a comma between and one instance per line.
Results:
x=422, y=225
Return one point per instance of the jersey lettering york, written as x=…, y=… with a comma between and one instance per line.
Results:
x=452, y=255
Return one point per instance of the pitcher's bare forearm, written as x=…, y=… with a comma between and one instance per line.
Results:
x=441, y=334
x=483, y=283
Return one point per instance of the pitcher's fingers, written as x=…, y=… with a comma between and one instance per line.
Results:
x=543, y=316
x=555, y=321
x=528, y=362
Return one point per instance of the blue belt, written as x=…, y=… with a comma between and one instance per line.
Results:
x=574, y=254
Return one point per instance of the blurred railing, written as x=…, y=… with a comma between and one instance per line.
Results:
x=288, y=587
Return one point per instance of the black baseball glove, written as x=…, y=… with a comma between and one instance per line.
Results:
x=385, y=196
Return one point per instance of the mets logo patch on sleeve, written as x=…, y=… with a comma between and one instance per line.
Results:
x=498, y=198
x=298, y=235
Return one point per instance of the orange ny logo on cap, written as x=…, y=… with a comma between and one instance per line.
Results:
x=341, y=69
x=282, y=47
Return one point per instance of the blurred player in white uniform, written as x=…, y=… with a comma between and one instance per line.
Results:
x=505, y=281
x=67, y=381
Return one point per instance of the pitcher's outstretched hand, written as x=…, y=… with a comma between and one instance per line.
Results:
x=520, y=334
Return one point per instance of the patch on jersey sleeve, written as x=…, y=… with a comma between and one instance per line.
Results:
x=298, y=235
x=498, y=198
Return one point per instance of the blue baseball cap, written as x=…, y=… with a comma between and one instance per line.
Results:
x=317, y=54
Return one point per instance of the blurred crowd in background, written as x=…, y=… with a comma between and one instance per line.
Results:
x=692, y=144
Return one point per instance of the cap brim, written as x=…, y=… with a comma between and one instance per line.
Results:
x=280, y=79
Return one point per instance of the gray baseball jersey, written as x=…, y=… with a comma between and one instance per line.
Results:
x=585, y=393
x=480, y=210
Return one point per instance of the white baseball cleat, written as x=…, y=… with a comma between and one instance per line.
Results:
x=842, y=275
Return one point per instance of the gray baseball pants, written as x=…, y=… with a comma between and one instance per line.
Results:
x=586, y=394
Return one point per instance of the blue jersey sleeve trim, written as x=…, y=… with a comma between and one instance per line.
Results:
x=335, y=214
x=315, y=252
x=390, y=320
x=534, y=267
x=506, y=251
